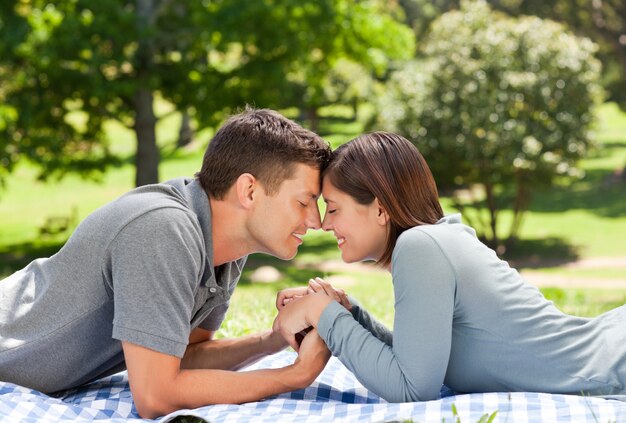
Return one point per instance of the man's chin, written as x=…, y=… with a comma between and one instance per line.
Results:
x=286, y=255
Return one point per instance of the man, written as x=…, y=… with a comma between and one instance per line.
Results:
x=145, y=281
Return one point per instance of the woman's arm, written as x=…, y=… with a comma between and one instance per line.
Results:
x=414, y=367
x=370, y=323
x=361, y=315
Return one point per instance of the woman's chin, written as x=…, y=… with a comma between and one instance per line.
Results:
x=347, y=258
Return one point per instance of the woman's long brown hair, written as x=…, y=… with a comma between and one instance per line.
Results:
x=388, y=167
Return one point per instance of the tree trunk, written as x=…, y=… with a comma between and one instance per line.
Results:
x=355, y=108
x=493, y=217
x=185, y=133
x=147, y=157
x=313, y=118
x=520, y=205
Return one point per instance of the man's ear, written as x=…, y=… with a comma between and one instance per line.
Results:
x=382, y=217
x=246, y=186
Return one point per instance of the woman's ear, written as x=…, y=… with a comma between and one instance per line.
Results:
x=246, y=186
x=382, y=216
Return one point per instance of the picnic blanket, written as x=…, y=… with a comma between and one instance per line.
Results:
x=336, y=395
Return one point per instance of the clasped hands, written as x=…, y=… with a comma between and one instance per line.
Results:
x=299, y=310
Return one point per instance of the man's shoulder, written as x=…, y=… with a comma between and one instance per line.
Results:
x=150, y=197
x=146, y=211
x=143, y=201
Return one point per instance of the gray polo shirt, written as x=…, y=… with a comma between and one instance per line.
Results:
x=138, y=269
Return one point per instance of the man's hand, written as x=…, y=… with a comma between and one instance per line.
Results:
x=299, y=315
x=313, y=355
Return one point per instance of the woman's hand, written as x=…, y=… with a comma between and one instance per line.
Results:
x=320, y=285
x=298, y=316
x=315, y=285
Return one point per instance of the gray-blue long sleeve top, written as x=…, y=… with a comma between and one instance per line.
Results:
x=465, y=319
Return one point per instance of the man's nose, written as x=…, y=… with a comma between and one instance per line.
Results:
x=313, y=220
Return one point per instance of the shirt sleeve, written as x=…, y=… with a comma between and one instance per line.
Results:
x=155, y=265
x=414, y=367
x=215, y=318
x=369, y=322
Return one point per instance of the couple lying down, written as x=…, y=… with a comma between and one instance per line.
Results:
x=145, y=281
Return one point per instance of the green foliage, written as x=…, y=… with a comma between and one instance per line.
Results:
x=603, y=21
x=346, y=35
x=347, y=83
x=69, y=66
x=498, y=103
x=28, y=67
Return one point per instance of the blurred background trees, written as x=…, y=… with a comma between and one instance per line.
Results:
x=70, y=65
x=501, y=104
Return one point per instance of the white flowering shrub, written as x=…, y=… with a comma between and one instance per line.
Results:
x=497, y=103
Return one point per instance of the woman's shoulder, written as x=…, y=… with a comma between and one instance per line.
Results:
x=449, y=227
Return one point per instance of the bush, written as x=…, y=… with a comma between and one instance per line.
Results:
x=499, y=106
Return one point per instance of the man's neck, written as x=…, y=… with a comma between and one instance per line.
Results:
x=227, y=232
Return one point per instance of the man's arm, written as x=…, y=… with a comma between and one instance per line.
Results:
x=204, y=352
x=160, y=385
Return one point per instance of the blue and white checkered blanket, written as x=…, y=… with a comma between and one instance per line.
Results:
x=335, y=396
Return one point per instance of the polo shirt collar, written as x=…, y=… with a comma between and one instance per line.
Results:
x=198, y=202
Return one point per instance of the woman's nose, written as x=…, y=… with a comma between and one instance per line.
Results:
x=326, y=225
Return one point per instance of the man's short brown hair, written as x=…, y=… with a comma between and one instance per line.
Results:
x=263, y=143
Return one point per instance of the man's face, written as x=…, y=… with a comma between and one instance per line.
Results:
x=278, y=222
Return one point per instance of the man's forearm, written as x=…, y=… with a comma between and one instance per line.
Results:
x=200, y=387
x=231, y=353
x=160, y=385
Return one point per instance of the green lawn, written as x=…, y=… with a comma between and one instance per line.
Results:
x=585, y=219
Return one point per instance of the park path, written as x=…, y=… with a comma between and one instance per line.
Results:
x=541, y=279
x=556, y=280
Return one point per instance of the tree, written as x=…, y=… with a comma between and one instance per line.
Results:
x=367, y=33
x=71, y=65
x=348, y=83
x=498, y=103
x=603, y=21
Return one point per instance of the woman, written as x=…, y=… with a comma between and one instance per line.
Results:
x=463, y=317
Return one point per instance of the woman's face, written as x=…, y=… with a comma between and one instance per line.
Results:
x=361, y=230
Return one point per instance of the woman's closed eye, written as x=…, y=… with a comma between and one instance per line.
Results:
x=331, y=211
